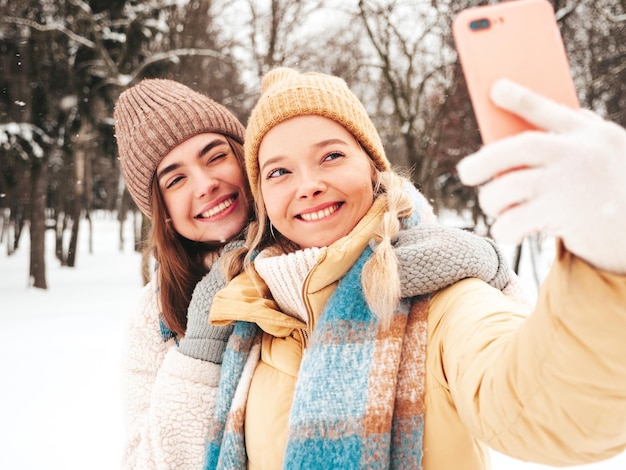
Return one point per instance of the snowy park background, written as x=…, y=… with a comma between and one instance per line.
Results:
x=60, y=356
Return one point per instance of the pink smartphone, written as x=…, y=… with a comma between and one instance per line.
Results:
x=517, y=39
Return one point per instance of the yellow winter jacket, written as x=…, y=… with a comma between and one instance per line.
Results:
x=549, y=387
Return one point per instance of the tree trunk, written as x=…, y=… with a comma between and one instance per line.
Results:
x=517, y=257
x=11, y=235
x=146, y=226
x=88, y=192
x=71, y=251
x=88, y=218
x=38, y=225
x=17, y=213
x=121, y=210
x=4, y=223
x=81, y=148
x=59, y=230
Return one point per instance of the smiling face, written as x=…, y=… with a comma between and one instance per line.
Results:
x=315, y=179
x=204, y=190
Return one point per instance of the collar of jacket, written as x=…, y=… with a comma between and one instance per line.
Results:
x=247, y=298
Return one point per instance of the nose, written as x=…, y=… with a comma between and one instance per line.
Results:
x=310, y=185
x=204, y=183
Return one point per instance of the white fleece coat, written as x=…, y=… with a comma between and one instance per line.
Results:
x=168, y=398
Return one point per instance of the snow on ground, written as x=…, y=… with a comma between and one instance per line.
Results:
x=60, y=356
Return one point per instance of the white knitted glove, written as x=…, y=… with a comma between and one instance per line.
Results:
x=569, y=181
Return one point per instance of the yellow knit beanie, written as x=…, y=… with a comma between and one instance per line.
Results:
x=286, y=93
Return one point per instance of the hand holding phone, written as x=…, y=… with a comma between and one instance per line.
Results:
x=572, y=184
x=519, y=40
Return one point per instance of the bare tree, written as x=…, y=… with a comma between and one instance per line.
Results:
x=597, y=53
x=416, y=66
x=78, y=56
x=279, y=32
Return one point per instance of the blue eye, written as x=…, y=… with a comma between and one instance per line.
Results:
x=276, y=173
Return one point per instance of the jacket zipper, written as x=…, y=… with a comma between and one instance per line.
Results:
x=305, y=340
x=308, y=329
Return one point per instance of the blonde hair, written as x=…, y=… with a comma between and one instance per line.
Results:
x=382, y=298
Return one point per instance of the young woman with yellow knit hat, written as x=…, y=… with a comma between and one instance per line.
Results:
x=182, y=158
x=369, y=336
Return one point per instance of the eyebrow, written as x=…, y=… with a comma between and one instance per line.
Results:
x=317, y=145
x=206, y=149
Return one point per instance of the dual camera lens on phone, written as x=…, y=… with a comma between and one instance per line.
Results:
x=477, y=25
x=484, y=23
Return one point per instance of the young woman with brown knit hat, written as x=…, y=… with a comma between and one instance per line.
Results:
x=369, y=336
x=181, y=154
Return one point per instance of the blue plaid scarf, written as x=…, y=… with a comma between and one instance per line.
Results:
x=359, y=398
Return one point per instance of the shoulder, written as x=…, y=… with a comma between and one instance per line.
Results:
x=465, y=318
x=472, y=298
x=144, y=347
x=472, y=312
x=145, y=319
x=148, y=304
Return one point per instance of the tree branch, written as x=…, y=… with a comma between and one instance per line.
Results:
x=162, y=56
x=52, y=27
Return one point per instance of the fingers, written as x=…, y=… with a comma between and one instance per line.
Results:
x=526, y=218
x=534, y=108
x=518, y=203
x=516, y=223
x=511, y=189
x=527, y=201
x=529, y=149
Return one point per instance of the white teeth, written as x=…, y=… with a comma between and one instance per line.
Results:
x=319, y=214
x=217, y=209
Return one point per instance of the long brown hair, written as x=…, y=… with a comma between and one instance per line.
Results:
x=181, y=263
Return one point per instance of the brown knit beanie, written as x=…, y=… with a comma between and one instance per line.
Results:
x=286, y=93
x=153, y=117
